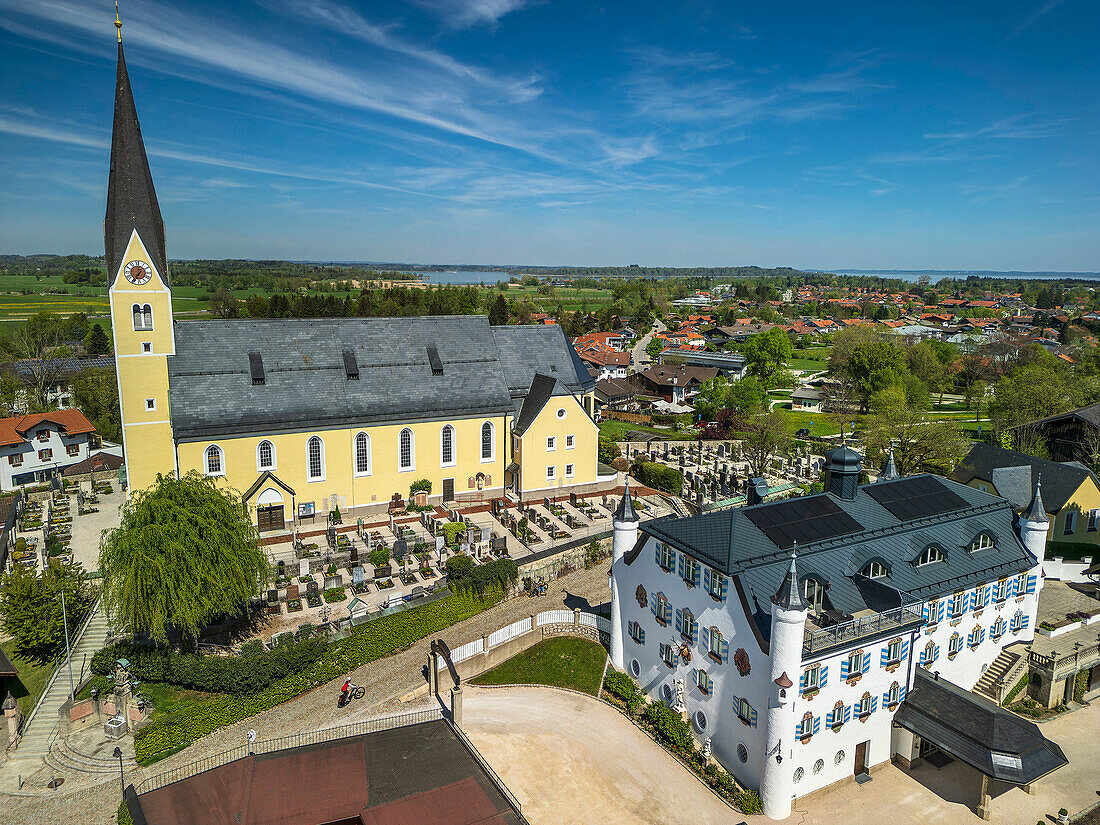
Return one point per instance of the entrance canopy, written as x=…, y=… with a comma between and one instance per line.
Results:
x=974, y=730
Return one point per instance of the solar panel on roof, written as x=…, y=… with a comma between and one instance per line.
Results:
x=918, y=497
x=802, y=520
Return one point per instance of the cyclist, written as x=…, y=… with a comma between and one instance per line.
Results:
x=344, y=691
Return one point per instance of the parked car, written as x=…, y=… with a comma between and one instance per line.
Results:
x=802, y=432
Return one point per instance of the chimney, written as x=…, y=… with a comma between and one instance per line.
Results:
x=756, y=490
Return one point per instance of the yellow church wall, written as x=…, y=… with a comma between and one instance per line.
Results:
x=534, y=456
x=339, y=478
x=141, y=361
x=1083, y=500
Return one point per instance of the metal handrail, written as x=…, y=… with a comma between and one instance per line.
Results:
x=286, y=742
x=816, y=641
x=60, y=659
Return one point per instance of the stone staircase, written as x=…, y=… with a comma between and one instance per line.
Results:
x=40, y=726
x=94, y=756
x=1003, y=674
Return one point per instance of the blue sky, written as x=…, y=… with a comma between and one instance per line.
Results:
x=862, y=134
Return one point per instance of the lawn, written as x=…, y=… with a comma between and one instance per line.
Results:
x=818, y=423
x=616, y=431
x=31, y=681
x=564, y=661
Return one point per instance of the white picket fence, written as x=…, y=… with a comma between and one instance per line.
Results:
x=516, y=629
x=554, y=617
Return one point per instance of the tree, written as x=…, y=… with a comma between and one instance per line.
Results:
x=767, y=435
x=38, y=345
x=921, y=445
x=185, y=553
x=653, y=348
x=926, y=364
x=1033, y=392
x=867, y=361
x=30, y=607
x=498, y=312
x=11, y=393
x=767, y=356
x=95, y=342
x=95, y=393
x=224, y=304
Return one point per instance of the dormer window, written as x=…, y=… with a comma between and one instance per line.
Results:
x=875, y=570
x=930, y=556
x=983, y=542
x=814, y=593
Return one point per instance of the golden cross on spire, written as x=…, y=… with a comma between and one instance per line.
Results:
x=118, y=22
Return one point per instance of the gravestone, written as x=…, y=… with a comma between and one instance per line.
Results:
x=333, y=581
x=439, y=542
x=303, y=567
x=292, y=592
x=573, y=499
x=383, y=572
x=312, y=586
x=357, y=575
x=354, y=553
x=722, y=450
x=498, y=544
x=400, y=548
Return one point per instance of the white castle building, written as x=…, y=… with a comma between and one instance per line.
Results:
x=801, y=637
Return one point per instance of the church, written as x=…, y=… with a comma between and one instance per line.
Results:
x=815, y=640
x=304, y=416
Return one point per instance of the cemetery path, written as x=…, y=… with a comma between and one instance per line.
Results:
x=385, y=680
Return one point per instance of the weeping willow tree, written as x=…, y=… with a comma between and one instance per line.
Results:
x=184, y=554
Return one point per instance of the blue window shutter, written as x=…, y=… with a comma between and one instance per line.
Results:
x=653, y=603
x=940, y=608
x=885, y=657
x=694, y=629
x=817, y=724
x=904, y=648
x=966, y=601
x=704, y=635
x=658, y=549
x=723, y=584
x=706, y=579
x=866, y=662
x=844, y=670
x=925, y=611
x=847, y=712
x=901, y=693
x=1012, y=587
x=1024, y=622
x=752, y=716
x=668, y=611
x=641, y=635
x=829, y=720
x=1031, y=584
x=697, y=573
x=724, y=653
x=874, y=703
x=680, y=621
x=680, y=564
x=824, y=677
x=802, y=681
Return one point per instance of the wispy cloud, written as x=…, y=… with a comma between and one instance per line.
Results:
x=1028, y=21
x=986, y=192
x=464, y=13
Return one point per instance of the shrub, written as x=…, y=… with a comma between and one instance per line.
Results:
x=451, y=530
x=424, y=484
x=670, y=728
x=458, y=567
x=658, y=476
x=622, y=687
x=1080, y=686
x=496, y=576
x=750, y=803
x=367, y=642
x=251, y=670
x=379, y=557
x=124, y=817
x=335, y=594
x=1012, y=694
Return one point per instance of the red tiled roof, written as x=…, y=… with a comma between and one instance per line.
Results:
x=14, y=430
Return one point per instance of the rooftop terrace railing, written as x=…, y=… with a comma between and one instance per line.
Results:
x=843, y=634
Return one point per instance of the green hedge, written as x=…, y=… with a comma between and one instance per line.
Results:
x=750, y=803
x=670, y=728
x=1072, y=550
x=492, y=577
x=1012, y=694
x=658, y=476
x=622, y=687
x=253, y=669
x=366, y=643
x=124, y=817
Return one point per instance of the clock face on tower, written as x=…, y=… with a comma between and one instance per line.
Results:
x=138, y=272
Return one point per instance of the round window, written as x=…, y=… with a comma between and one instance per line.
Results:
x=798, y=774
x=635, y=668
x=838, y=758
x=561, y=413
x=818, y=765
x=742, y=752
x=700, y=721
x=666, y=692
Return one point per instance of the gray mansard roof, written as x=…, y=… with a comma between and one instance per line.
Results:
x=732, y=541
x=304, y=374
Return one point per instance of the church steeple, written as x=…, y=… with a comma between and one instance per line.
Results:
x=131, y=198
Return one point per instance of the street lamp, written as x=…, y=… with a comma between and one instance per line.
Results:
x=121, y=777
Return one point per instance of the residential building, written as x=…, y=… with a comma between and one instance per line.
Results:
x=678, y=384
x=309, y=415
x=607, y=363
x=57, y=374
x=807, y=399
x=35, y=447
x=730, y=364
x=1068, y=436
x=791, y=633
x=1071, y=492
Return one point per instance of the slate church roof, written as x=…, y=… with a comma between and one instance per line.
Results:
x=131, y=199
x=235, y=377
x=891, y=522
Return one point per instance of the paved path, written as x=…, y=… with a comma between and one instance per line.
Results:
x=385, y=680
x=639, y=356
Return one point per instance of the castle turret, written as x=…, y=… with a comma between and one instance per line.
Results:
x=789, y=611
x=1033, y=525
x=890, y=470
x=624, y=526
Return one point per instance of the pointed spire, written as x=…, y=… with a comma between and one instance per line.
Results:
x=131, y=198
x=789, y=595
x=1035, y=511
x=890, y=471
x=625, y=511
x=118, y=22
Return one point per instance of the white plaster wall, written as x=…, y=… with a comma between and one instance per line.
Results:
x=1067, y=571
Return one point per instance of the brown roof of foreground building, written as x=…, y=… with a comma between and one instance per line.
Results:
x=416, y=774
